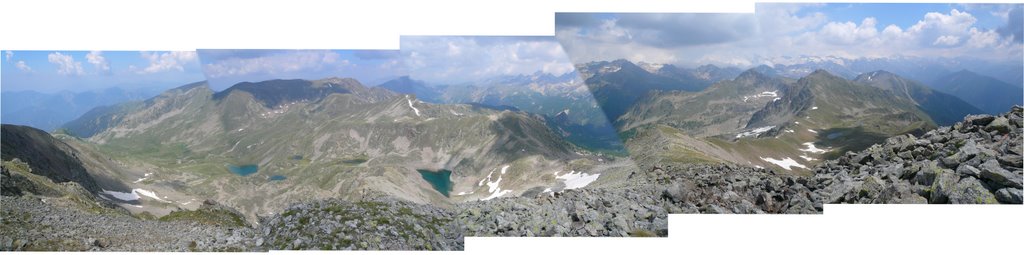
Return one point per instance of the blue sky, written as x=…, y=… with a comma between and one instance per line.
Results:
x=775, y=31
x=52, y=71
x=466, y=59
x=225, y=68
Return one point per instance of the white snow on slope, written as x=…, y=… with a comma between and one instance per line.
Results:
x=410, y=105
x=134, y=195
x=787, y=163
x=494, y=186
x=756, y=132
x=144, y=177
x=812, y=149
x=774, y=94
x=122, y=195
x=574, y=180
x=812, y=131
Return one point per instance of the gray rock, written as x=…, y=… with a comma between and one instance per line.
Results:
x=992, y=171
x=1009, y=196
x=971, y=191
x=100, y=242
x=979, y=120
x=1001, y=125
x=675, y=193
x=968, y=170
x=1011, y=160
x=943, y=186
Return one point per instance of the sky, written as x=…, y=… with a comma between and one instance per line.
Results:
x=776, y=31
x=466, y=59
x=225, y=68
x=76, y=71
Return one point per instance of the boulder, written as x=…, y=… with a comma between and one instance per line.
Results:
x=993, y=172
x=943, y=185
x=1009, y=196
x=971, y=191
x=1001, y=125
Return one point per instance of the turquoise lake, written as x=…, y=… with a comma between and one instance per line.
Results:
x=243, y=170
x=277, y=178
x=440, y=180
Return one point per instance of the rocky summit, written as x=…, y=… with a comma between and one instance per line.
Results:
x=975, y=161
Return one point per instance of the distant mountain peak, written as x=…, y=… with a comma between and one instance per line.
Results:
x=280, y=91
x=875, y=75
x=752, y=73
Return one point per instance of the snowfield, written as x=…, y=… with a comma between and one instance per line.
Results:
x=812, y=149
x=787, y=163
x=134, y=195
x=494, y=186
x=756, y=132
x=774, y=94
x=574, y=180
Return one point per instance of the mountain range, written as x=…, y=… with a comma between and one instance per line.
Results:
x=47, y=111
x=563, y=100
x=768, y=121
x=306, y=139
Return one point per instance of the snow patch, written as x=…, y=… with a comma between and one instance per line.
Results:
x=147, y=193
x=144, y=177
x=756, y=132
x=787, y=163
x=812, y=131
x=812, y=149
x=774, y=94
x=574, y=180
x=814, y=108
x=134, y=195
x=494, y=186
x=123, y=196
x=805, y=157
x=407, y=99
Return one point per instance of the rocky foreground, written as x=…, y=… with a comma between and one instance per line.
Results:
x=977, y=161
x=39, y=215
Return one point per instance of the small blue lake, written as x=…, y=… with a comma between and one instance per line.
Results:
x=441, y=180
x=277, y=178
x=243, y=170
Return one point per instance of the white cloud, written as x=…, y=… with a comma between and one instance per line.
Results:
x=984, y=39
x=97, y=60
x=848, y=32
x=9, y=55
x=276, y=63
x=160, y=62
x=22, y=66
x=942, y=29
x=66, y=64
x=782, y=19
x=947, y=40
x=793, y=30
x=454, y=59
